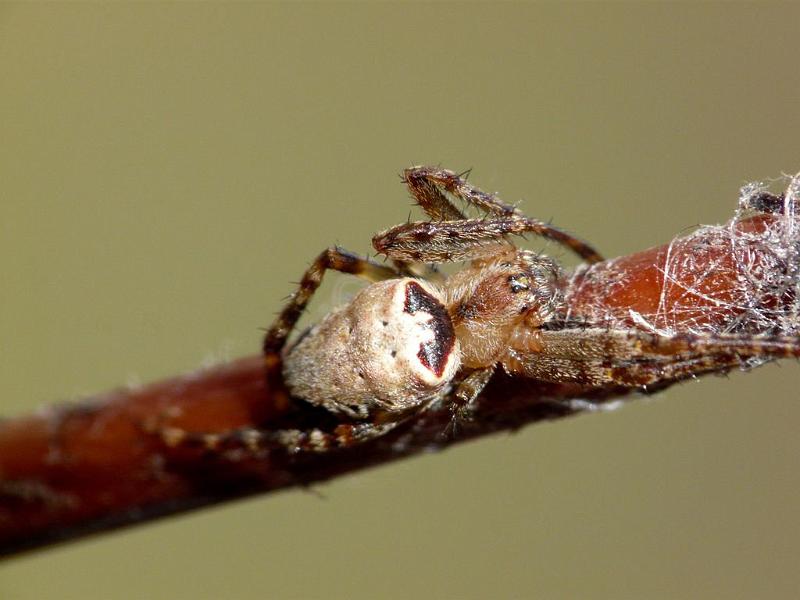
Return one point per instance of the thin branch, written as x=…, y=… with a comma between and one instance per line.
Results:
x=78, y=469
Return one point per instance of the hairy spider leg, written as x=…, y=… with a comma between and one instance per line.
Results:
x=335, y=259
x=254, y=441
x=634, y=358
x=430, y=194
x=456, y=241
x=418, y=270
x=432, y=188
x=251, y=439
x=466, y=392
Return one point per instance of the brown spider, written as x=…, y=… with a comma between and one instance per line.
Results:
x=415, y=336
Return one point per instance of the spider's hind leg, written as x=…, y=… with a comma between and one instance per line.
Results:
x=335, y=259
x=252, y=442
x=251, y=439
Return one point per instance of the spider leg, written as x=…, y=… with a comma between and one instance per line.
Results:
x=431, y=192
x=419, y=270
x=335, y=259
x=466, y=393
x=253, y=442
x=468, y=239
x=468, y=389
x=436, y=190
x=633, y=358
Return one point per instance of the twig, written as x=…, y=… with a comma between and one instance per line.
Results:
x=95, y=466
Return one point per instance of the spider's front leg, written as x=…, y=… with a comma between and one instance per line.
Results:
x=467, y=239
x=637, y=359
x=435, y=190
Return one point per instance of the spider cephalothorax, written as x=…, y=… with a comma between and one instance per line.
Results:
x=493, y=302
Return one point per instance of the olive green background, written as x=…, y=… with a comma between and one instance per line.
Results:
x=167, y=170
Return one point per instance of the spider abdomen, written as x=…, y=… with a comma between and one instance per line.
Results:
x=393, y=347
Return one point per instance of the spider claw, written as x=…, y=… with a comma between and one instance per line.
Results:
x=464, y=174
x=462, y=413
x=451, y=431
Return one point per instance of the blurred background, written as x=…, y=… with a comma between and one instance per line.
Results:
x=167, y=170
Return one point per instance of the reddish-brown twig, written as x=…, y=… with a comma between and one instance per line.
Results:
x=93, y=466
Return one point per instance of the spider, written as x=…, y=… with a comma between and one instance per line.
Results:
x=415, y=336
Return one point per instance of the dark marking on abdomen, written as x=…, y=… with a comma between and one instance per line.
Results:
x=432, y=354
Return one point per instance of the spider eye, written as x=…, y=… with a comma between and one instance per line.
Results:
x=519, y=283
